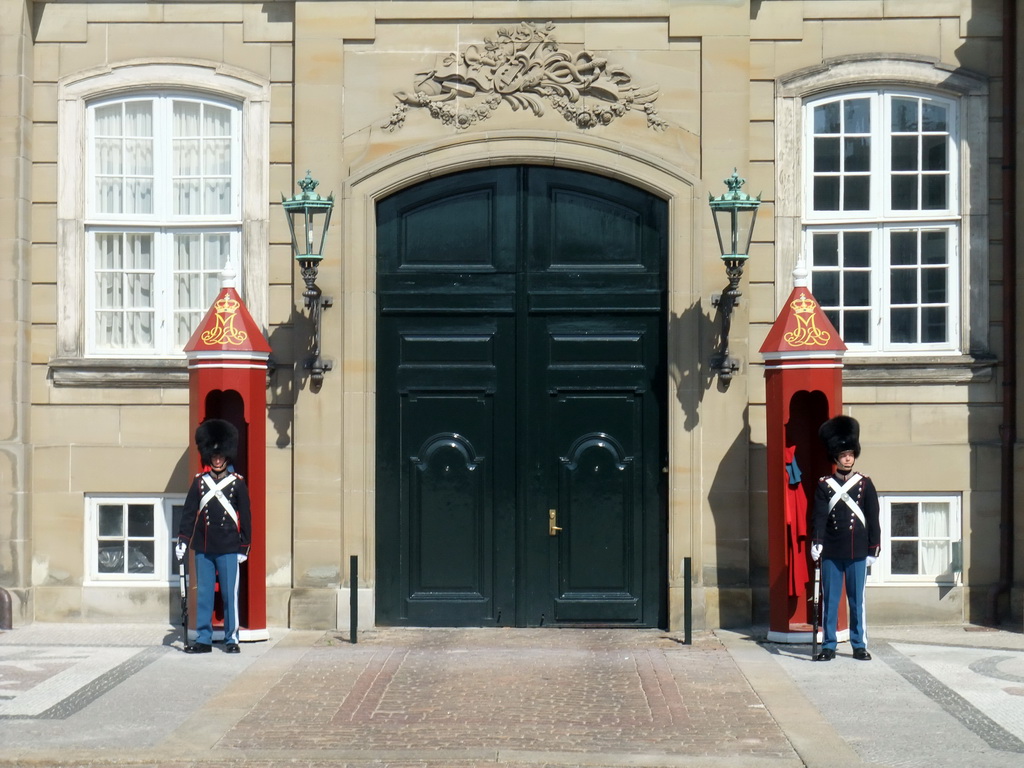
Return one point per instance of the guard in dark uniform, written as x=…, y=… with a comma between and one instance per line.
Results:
x=217, y=523
x=845, y=535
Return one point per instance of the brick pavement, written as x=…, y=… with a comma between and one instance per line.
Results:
x=598, y=692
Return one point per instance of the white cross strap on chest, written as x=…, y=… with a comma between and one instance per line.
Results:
x=842, y=492
x=214, y=489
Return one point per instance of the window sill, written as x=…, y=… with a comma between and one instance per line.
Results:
x=937, y=369
x=117, y=373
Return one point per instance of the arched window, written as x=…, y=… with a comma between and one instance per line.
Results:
x=882, y=196
x=162, y=171
x=882, y=217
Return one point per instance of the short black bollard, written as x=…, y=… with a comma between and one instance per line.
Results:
x=687, y=602
x=353, y=598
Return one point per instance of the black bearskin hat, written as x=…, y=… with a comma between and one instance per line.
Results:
x=839, y=434
x=215, y=436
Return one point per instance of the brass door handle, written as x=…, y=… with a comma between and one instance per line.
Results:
x=552, y=518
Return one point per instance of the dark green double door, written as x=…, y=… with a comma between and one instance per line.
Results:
x=521, y=401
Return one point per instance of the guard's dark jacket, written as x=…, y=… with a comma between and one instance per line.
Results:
x=840, y=532
x=211, y=529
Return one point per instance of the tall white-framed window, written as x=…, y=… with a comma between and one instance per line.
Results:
x=128, y=538
x=882, y=218
x=921, y=539
x=162, y=179
x=163, y=218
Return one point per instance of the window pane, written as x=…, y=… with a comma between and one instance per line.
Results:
x=138, y=119
x=826, y=193
x=904, y=193
x=825, y=287
x=186, y=157
x=933, y=286
x=139, y=253
x=826, y=154
x=904, y=115
x=140, y=520
x=904, y=557
x=138, y=157
x=856, y=289
x=825, y=251
x=904, y=153
x=903, y=248
x=140, y=557
x=217, y=197
x=934, y=193
x=187, y=253
x=934, y=117
x=217, y=157
x=935, y=325
x=858, y=154
x=186, y=118
x=186, y=197
x=903, y=325
x=107, y=120
x=826, y=118
x=218, y=252
x=108, y=251
x=933, y=247
x=110, y=557
x=903, y=519
x=139, y=330
x=857, y=193
x=109, y=330
x=857, y=115
x=903, y=286
x=857, y=249
x=110, y=520
x=109, y=157
x=856, y=327
x=138, y=195
x=935, y=154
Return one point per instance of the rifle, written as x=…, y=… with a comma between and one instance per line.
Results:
x=183, y=588
x=817, y=592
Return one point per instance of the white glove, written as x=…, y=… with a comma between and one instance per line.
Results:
x=815, y=552
x=180, y=550
x=242, y=558
x=872, y=560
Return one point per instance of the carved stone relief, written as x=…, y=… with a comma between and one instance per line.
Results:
x=524, y=67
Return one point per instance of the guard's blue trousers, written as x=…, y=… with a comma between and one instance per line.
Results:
x=833, y=574
x=210, y=569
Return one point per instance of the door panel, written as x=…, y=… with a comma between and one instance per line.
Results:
x=445, y=466
x=599, y=423
x=520, y=317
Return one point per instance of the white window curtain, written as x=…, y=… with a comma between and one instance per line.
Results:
x=165, y=220
x=933, y=530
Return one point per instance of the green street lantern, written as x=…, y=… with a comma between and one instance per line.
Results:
x=309, y=217
x=734, y=213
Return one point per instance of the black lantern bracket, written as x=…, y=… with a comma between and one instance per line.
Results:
x=309, y=217
x=734, y=213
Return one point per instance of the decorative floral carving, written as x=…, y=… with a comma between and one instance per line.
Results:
x=523, y=68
